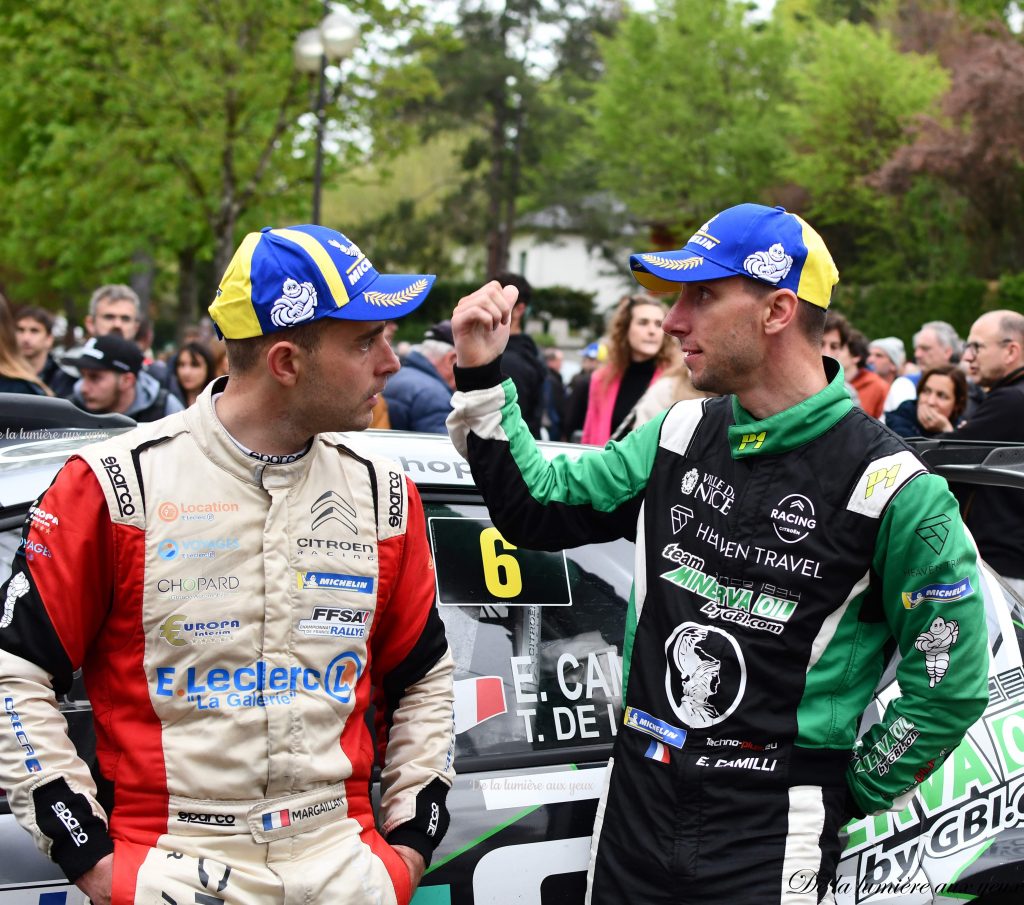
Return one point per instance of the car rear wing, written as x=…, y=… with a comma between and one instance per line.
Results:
x=29, y=412
x=974, y=461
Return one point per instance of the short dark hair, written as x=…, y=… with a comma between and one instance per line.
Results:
x=506, y=278
x=244, y=354
x=858, y=346
x=836, y=321
x=39, y=315
x=809, y=317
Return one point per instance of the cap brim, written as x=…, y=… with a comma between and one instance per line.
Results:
x=388, y=297
x=663, y=271
x=88, y=363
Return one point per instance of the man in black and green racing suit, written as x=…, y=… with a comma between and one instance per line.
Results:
x=786, y=542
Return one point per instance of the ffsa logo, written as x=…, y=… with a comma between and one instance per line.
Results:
x=332, y=507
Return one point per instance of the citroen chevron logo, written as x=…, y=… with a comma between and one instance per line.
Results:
x=331, y=506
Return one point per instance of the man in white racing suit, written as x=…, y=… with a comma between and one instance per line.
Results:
x=240, y=585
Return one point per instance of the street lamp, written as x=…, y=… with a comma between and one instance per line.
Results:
x=331, y=41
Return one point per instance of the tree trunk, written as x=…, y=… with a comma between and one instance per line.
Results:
x=188, y=292
x=497, y=245
x=143, y=275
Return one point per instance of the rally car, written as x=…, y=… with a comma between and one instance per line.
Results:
x=537, y=640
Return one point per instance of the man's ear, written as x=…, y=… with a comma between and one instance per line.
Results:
x=285, y=362
x=780, y=310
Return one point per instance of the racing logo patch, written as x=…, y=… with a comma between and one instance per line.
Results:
x=793, y=518
x=705, y=674
x=935, y=644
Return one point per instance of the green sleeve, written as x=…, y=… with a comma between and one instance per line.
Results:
x=550, y=503
x=934, y=606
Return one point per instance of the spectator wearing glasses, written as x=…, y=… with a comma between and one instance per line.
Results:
x=994, y=359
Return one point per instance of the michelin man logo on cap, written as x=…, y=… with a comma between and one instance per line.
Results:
x=283, y=278
x=767, y=244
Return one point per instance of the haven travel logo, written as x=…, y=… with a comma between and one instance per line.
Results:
x=332, y=581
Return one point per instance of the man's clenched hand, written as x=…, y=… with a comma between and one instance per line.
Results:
x=480, y=324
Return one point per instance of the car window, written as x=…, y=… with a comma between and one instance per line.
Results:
x=536, y=636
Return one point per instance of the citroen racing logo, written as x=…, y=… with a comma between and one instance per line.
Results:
x=793, y=518
x=331, y=506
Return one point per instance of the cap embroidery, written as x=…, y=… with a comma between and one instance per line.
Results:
x=295, y=305
x=669, y=264
x=390, y=299
x=770, y=266
x=352, y=250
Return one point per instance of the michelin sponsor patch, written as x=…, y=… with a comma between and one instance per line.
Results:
x=659, y=729
x=938, y=593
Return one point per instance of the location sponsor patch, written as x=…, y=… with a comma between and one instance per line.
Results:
x=938, y=593
x=642, y=721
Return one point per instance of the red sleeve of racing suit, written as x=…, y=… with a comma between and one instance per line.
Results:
x=54, y=603
x=413, y=668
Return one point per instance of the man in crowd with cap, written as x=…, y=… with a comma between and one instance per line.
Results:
x=419, y=396
x=781, y=547
x=238, y=583
x=113, y=381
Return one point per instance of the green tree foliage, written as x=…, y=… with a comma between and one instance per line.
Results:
x=506, y=77
x=161, y=127
x=854, y=97
x=685, y=120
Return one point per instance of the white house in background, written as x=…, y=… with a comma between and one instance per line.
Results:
x=566, y=261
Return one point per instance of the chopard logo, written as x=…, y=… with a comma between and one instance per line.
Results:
x=331, y=506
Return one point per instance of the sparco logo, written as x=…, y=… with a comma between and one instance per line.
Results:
x=394, y=499
x=793, y=518
x=331, y=506
x=74, y=828
x=122, y=494
x=208, y=819
x=435, y=817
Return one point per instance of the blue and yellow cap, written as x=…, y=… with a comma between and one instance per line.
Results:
x=281, y=278
x=767, y=244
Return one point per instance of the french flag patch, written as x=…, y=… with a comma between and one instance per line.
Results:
x=655, y=751
x=276, y=819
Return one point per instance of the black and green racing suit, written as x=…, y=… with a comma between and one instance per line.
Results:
x=777, y=564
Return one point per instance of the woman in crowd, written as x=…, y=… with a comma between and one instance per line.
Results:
x=940, y=404
x=15, y=374
x=192, y=369
x=673, y=386
x=638, y=351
